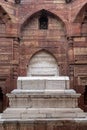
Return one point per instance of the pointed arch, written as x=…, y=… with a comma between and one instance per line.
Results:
x=39, y=13
x=45, y=50
x=80, y=13
x=43, y=63
x=82, y=19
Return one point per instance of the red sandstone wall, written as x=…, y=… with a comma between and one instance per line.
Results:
x=52, y=39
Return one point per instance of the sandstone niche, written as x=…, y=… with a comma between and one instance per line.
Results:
x=43, y=64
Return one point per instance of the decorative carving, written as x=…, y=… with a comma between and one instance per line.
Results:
x=16, y=49
x=17, y=1
x=15, y=71
x=6, y=0
x=70, y=41
x=82, y=80
x=15, y=58
x=70, y=49
x=68, y=1
x=80, y=58
x=71, y=70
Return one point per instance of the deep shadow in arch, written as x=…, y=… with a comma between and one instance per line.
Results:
x=1, y=100
x=43, y=21
x=85, y=95
x=38, y=13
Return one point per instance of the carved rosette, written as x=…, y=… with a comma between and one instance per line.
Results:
x=17, y=1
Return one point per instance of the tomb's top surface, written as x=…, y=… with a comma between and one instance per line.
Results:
x=41, y=83
x=66, y=92
x=44, y=78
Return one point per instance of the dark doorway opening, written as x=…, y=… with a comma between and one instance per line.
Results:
x=85, y=95
x=1, y=100
x=43, y=21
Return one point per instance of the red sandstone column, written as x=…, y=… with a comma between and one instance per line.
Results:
x=15, y=64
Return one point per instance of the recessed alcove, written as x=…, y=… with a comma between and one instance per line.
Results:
x=1, y=100
x=82, y=19
x=43, y=64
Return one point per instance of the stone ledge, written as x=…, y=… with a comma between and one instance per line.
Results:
x=32, y=113
x=44, y=78
x=41, y=83
x=45, y=91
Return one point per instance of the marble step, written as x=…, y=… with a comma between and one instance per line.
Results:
x=44, y=91
x=44, y=99
x=32, y=113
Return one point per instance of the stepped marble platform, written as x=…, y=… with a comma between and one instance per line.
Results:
x=43, y=98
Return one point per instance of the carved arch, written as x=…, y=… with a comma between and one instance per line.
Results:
x=38, y=12
x=43, y=63
x=45, y=50
x=82, y=19
x=80, y=12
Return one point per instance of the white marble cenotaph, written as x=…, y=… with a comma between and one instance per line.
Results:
x=43, y=97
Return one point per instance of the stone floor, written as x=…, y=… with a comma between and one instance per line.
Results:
x=44, y=124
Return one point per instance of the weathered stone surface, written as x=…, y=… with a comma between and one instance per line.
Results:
x=66, y=22
x=45, y=100
x=42, y=113
x=43, y=64
x=65, y=40
x=41, y=83
x=44, y=124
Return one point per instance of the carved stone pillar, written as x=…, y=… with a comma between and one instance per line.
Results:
x=15, y=62
x=71, y=61
x=70, y=50
x=16, y=49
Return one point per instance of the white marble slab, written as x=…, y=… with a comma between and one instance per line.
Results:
x=40, y=83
